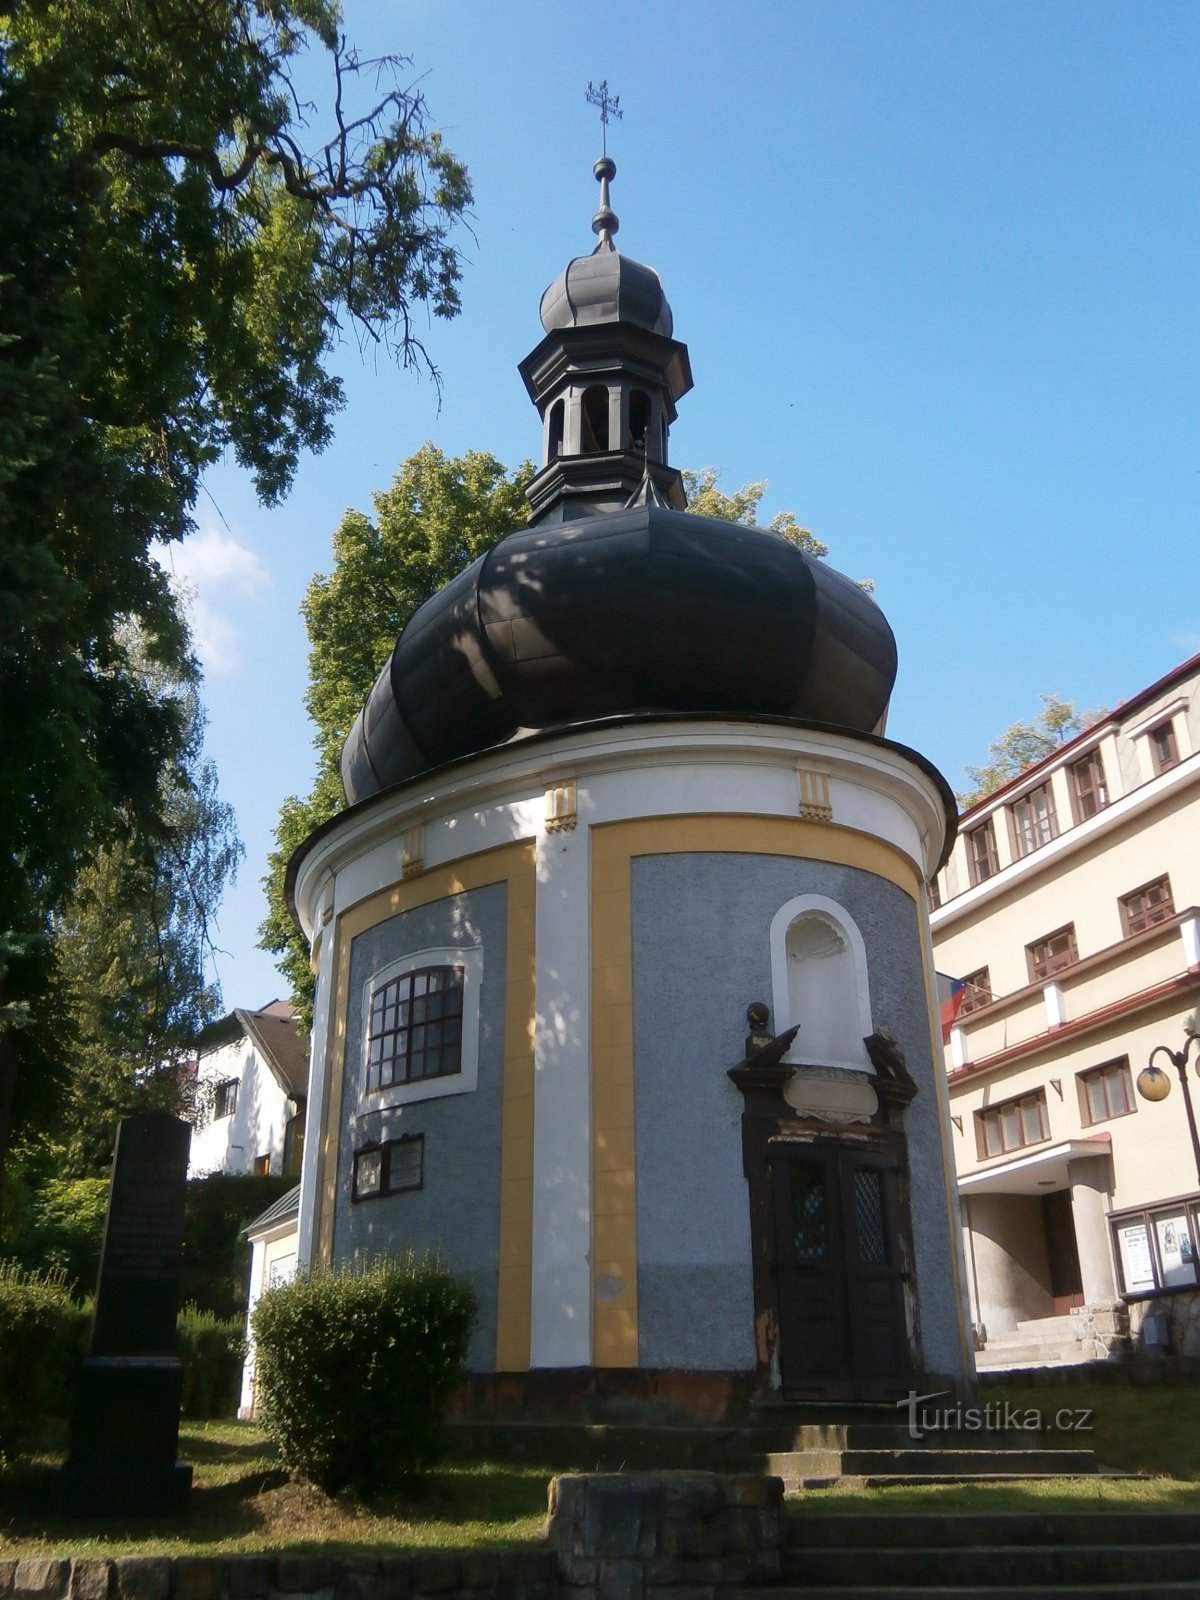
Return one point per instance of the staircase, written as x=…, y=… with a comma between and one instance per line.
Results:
x=1042, y=1342
x=1006, y=1556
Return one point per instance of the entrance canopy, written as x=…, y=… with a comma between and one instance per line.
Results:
x=1038, y=1172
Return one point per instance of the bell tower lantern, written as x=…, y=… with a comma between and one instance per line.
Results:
x=606, y=380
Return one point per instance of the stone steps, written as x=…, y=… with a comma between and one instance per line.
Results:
x=806, y=1469
x=1018, y=1556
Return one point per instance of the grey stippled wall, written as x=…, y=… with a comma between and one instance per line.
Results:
x=457, y=1213
x=701, y=954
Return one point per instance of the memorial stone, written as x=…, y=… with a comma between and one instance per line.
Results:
x=125, y=1423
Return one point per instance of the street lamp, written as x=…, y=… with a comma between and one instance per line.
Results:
x=1154, y=1084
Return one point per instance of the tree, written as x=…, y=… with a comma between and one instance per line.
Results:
x=1024, y=744
x=706, y=499
x=439, y=515
x=176, y=266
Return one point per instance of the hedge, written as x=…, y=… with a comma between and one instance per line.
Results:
x=39, y=1329
x=211, y=1352
x=355, y=1368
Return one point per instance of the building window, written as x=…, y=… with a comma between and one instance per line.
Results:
x=1053, y=953
x=1164, y=752
x=1156, y=1250
x=1089, y=793
x=1151, y=903
x=981, y=852
x=225, y=1098
x=639, y=421
x=1034, y=822
x=1012, y=1125
x=389, y=1168
x=933, y=894
x=262, y=1166
x=415, y=1028
x=554, y=435
x=977, y=991
x=1105, y=1092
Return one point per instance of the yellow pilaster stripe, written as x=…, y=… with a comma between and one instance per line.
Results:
x=513, y=865
x=614, y=1184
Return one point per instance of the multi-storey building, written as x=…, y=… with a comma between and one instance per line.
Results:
x=1069, y=907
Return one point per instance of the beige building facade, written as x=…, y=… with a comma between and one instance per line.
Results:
x=1069, y=909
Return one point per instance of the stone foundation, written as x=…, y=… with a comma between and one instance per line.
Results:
x=664, y=1536
x=1102, y=1331
x=468, y=1575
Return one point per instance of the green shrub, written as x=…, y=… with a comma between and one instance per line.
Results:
x=63, y=1228
x=354, y=1368
x=39, y=1330
x=211, y=1351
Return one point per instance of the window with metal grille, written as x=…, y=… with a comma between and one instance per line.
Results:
x=982, y=859
x=1152, y=903
x=1106, y=1092
x=1034, y=822
x=415, y=1029
x=1089, y=792
x=977, y=991
x=1012, y=1125
x=1164, y=752
x=1051, y=954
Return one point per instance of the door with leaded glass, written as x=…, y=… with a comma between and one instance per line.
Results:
x=843, y=1327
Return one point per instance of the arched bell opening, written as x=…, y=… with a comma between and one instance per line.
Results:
x=594, y=419
x=555, y=429
x=638, y=437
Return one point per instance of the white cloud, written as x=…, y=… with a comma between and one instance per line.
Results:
x=212, y=573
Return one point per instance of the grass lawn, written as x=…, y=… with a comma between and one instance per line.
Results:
x=242, y=1501
x=1153, y=1430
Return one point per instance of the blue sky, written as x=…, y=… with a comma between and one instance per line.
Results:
x=936, y=266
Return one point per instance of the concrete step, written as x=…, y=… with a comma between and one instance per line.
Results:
x=1147, y=1589
x=1029, y=1353
x=1062, y=1327
x=1013, y=1566
x=806, y=1529
x=808, y=1469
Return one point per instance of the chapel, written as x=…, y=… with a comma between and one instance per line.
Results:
x=625, y=999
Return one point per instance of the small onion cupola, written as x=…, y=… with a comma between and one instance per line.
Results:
x=606, y=380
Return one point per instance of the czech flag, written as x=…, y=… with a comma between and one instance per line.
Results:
x=951, y=993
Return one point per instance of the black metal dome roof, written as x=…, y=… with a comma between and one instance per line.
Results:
x=606, y=286
x=635, y=611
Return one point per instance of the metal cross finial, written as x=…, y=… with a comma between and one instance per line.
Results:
x=610, y=106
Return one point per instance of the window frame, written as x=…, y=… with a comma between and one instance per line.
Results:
x=391, y=1067
x=992, y=1116
x=1117, y=1068
x=985, y=830
x=226, y=1090
x=1080, y=796
x=977, y=992
x=1031, y=829
x=1159, y=762
x=1133, y=922
x=389, y=1182
x=465, y=1080
x=1052, y=965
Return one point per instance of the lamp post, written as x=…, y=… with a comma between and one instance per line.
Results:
x=1154, y=1084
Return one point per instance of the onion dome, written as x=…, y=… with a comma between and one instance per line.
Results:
x=606, y=286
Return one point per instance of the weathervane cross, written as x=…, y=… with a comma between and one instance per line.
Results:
x=610, y=106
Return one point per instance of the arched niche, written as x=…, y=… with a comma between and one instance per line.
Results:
x=819, y=979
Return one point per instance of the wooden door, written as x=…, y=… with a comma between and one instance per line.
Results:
x=840, y=1284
